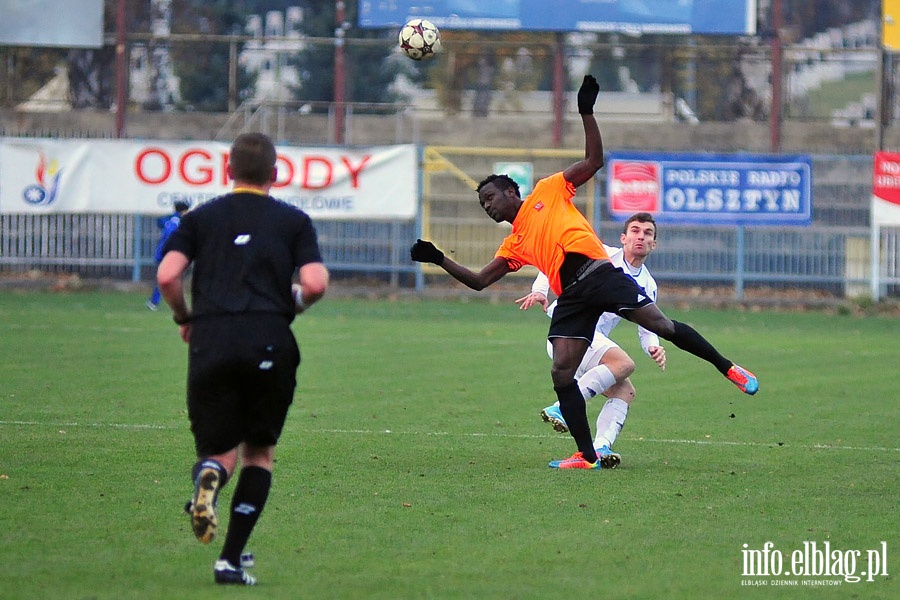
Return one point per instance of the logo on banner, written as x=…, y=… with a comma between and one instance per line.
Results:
x=886, y=182
x=634, y=187
x=43, y=193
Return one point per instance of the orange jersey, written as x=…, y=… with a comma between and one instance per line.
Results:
x=548, y=227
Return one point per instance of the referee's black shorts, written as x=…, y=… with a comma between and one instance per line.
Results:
x=242, y=371
x=606, y=289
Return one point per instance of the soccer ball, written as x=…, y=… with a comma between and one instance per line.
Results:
x=420, y=39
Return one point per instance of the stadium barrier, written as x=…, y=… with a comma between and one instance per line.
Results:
x=832, y=256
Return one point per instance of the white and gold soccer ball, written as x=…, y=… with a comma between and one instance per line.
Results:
x=420, y=39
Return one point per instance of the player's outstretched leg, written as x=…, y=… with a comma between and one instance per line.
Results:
x=688, y=339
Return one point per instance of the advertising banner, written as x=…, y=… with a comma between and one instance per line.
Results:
x=115, y=176
x=885, y=213
x=714, y=189
x=634, y=17
x=886, y=189
x=54, y=23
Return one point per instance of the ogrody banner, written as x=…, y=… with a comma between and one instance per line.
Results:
x=39, y=176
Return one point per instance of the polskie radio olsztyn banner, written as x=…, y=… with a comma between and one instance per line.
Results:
x=738, y=189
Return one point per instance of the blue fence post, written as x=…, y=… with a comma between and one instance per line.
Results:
x=874, y=256
x=739, y=265
x=420, y=277
x=396, y=244
x=138, y=256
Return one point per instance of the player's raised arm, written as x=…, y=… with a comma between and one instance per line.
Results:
x=582, y=171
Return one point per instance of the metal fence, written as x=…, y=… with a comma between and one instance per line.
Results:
x=117, y=246
x=831, y=78
x=833, y=256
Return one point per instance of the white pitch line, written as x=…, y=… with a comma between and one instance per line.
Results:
x=769, y=445
x=641, y=439
x=73, y=424
x=485, y=435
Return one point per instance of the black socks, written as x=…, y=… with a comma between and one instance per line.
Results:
x=687, y=338
x=248, y=501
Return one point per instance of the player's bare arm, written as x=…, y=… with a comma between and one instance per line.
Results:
x=425, y=251
x=313, y=283
x=539, y=291
x=526, y=302
x=169, y=278
x=582, y=171
x=491, y=272
x=658, y=354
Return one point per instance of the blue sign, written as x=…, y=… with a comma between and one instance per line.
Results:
x=520, y=172
x=732, y=17
x=735, y=189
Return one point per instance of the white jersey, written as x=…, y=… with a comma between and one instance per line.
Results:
x=608, y=321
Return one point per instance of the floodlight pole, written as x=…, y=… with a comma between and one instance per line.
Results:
x=121, y=71
x=883, y=113
x=339, y=106
x=777, y=75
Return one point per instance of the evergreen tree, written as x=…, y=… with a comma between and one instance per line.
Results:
x=203, y=67
x=368, y=70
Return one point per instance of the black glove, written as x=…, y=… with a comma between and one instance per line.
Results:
x=423, y=251
x=587, y=95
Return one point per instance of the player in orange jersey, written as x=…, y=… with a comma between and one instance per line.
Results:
x=550, y=233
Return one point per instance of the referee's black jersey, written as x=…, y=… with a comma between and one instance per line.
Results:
x=245, y=249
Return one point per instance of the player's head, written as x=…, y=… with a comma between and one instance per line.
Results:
x=501, y=182
x=499, y=197
x=252, y=159
x=181, y=206
x=641, y=217
x=638, y=236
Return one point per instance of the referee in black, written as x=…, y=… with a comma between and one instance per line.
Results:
x=245, y=248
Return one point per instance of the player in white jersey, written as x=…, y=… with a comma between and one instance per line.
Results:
x=605, y=368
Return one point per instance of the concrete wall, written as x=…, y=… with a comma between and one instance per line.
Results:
x=529, y=130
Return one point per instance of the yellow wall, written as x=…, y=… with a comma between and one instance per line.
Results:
x=890, y=22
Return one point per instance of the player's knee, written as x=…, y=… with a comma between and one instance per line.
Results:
x=619, y=363
x=562, y=374
x=625, y=367
x=623, y=390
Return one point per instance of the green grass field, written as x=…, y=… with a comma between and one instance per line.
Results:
x=414, y=463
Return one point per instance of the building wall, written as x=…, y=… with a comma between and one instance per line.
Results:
x=532, y=130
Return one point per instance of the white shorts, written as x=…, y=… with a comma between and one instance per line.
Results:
x=593, y=354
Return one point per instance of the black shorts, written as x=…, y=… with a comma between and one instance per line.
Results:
x=606, y=289
x=242, y=372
